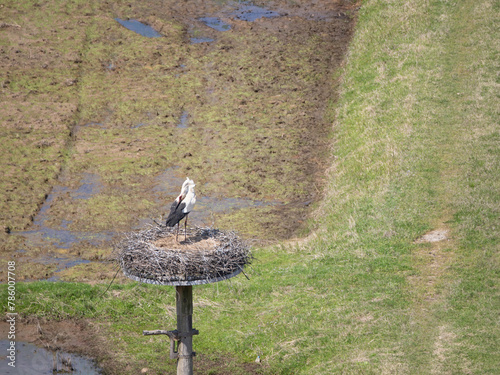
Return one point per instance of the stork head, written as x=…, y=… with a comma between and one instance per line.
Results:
x=185, y=187
x=190, y=183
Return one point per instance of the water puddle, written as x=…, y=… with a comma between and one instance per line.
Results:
x=150, y=116
x=169, y=182
x=61, y=262
x=139, y=28
x=197, y=35
x=215, y=23
x=62, y=237
x=94, y=124
x=90, y=184
x=249, y=12
x=245, y=12
x=201, y=40
x=183, y=122
x=106, y=116
x=35, y=360
x=208, y=206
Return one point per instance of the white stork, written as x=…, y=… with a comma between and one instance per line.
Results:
x=182, y=206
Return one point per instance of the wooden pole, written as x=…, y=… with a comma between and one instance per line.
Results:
x=184, y=304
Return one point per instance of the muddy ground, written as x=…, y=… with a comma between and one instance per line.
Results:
x=100, y=125
x=84, y=337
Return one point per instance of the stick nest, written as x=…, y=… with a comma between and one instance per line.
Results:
x=153, y=255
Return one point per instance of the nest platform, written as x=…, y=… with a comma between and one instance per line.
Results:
x=208, y=255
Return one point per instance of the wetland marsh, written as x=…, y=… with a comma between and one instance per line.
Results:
x=119, y=93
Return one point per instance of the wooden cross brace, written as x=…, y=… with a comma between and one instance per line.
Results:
x=175, y=336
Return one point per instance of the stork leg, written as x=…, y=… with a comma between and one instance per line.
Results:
x=177, y=233
x=185, y=226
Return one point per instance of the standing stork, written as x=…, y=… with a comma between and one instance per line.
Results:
x=182, y=206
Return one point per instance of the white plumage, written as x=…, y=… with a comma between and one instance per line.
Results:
x=182, y=206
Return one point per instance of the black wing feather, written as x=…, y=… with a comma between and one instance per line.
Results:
x=176, y=214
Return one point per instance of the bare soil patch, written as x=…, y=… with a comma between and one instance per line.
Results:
x=74, y=336
x=88, y=338
x=171, y=244
x=434, y=236
x=432, y=259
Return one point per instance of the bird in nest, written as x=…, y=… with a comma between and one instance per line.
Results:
x=182, y=206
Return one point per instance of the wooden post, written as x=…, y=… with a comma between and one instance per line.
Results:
x=184, y=304
x=183, y=335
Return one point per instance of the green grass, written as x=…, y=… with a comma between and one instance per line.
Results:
x=416, y=148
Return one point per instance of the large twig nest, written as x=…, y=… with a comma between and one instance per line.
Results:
x=154, y=256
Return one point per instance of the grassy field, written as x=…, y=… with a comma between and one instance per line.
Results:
x=416, y=151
